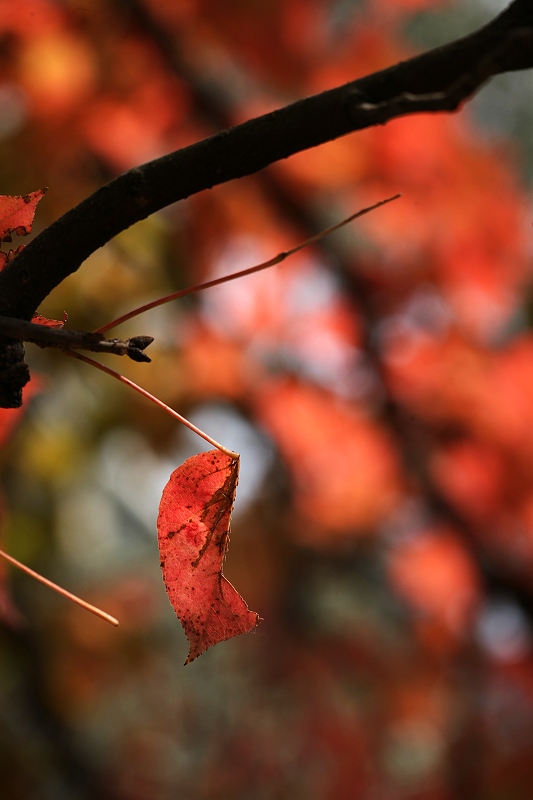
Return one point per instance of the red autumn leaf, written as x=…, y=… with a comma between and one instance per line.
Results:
x=16, y=213
x=193, y=532
x=38, y=319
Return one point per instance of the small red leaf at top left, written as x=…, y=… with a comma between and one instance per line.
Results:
x=193, y=534
x=17, y=212
x=38, y=319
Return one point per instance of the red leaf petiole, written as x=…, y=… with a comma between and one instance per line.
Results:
x=75, y=599
x=157, y=402
x=249, y=271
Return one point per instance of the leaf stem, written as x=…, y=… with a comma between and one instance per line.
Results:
x=75, y=599
x=241, y=274
x=157, y=402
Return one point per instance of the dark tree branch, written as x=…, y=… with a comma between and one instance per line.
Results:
x=438, y=80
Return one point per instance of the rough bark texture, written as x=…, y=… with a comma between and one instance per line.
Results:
x=438, y=80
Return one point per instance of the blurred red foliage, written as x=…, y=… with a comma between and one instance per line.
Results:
x=389, y=371
x=345, y=472
x=437, y=576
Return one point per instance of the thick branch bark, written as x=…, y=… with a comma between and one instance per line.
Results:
x=439, y=80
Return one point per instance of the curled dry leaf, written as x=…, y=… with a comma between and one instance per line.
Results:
x=193, y=532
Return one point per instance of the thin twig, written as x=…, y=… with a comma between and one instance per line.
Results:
x=242, y=273
x=45, y=336
x=75, y=599
x=157, y=402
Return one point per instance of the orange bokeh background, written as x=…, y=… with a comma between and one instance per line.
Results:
x=378, y=385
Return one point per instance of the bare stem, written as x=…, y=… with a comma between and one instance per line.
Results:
x=45, y=336
x=249, y=271
x=155, y=400
x=75, y=599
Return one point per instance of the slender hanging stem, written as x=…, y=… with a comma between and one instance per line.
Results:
x=155, y=400
x=249, y=271
x=75, y=599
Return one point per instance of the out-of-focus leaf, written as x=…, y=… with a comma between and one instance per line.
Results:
x=11, y=417
x=343, y=465
x=437, y=576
